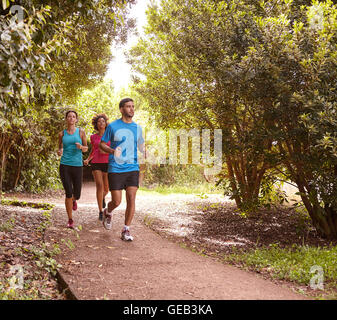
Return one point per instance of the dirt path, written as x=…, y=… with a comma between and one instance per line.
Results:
x=97, y=264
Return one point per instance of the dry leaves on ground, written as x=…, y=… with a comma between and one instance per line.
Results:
x=24, y=267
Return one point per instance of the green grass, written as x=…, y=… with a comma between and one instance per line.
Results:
x=19, y=203
x=184, y=189
x=293, y=263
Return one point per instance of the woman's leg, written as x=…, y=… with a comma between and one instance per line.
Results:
x=69, y=207
x=67, y=185
x=98, y=176
x=77, y=177
x=105, y=184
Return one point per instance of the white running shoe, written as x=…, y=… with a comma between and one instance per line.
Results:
x=107, y=219
x=126, y=236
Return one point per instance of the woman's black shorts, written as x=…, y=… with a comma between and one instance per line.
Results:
x=71, y=178
x=122, y=180
x=99, y=166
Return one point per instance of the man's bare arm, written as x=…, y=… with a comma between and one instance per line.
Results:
x=105, y=148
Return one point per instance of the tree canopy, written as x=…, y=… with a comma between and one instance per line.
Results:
x=49, y=52
x=262, y=71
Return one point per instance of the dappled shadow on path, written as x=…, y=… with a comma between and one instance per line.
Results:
x=221, y=227
x=213, y=226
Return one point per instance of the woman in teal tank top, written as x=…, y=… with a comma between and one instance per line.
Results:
x=72, y=142
x=72, y=155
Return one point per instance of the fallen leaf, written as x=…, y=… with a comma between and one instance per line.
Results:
x=92, y=247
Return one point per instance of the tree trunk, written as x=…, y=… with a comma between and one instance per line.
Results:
x=324, y=219
x=18, y=173
x=6, y=144
x=245, y=182
x=2, y=168
x=232, y=181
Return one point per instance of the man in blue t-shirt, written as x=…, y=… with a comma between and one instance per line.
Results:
x=125, y=138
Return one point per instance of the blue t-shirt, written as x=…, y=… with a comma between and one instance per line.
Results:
x=72, y=156
x=127, y=136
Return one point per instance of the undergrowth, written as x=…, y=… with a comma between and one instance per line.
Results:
x=33, y=280
x=306, y=265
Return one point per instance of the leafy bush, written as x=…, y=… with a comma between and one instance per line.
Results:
x=178, y=178
x=41, y=174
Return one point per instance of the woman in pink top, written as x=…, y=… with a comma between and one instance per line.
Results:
x=99, y=162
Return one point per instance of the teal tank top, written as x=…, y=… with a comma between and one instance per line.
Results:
x=72, y=156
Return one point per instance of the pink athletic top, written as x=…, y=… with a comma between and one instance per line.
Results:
x=98, y=156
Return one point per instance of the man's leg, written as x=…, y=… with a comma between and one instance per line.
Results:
x=130, y=204
x=132, y=184
x=115, y=187
x=116, y=199
x=129, y=212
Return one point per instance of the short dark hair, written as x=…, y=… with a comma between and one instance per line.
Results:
x=73, y=112
x=97, y=117
x=124, y=101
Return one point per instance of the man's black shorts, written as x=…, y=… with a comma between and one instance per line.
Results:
x=99, y=166
x=122, y=180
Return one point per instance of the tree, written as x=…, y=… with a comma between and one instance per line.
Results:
x=265, y=73
x=191, y=82
x=96, y=27
x=297, y=63
x=46, y=55
x=70, y=41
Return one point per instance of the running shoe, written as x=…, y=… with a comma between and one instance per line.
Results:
x=107, y=223
x=70, y=224
x=126, y=236
x=74, y=205
x=100, y=216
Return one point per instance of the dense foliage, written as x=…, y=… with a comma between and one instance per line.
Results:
x=262, y=71
x=49, y=52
